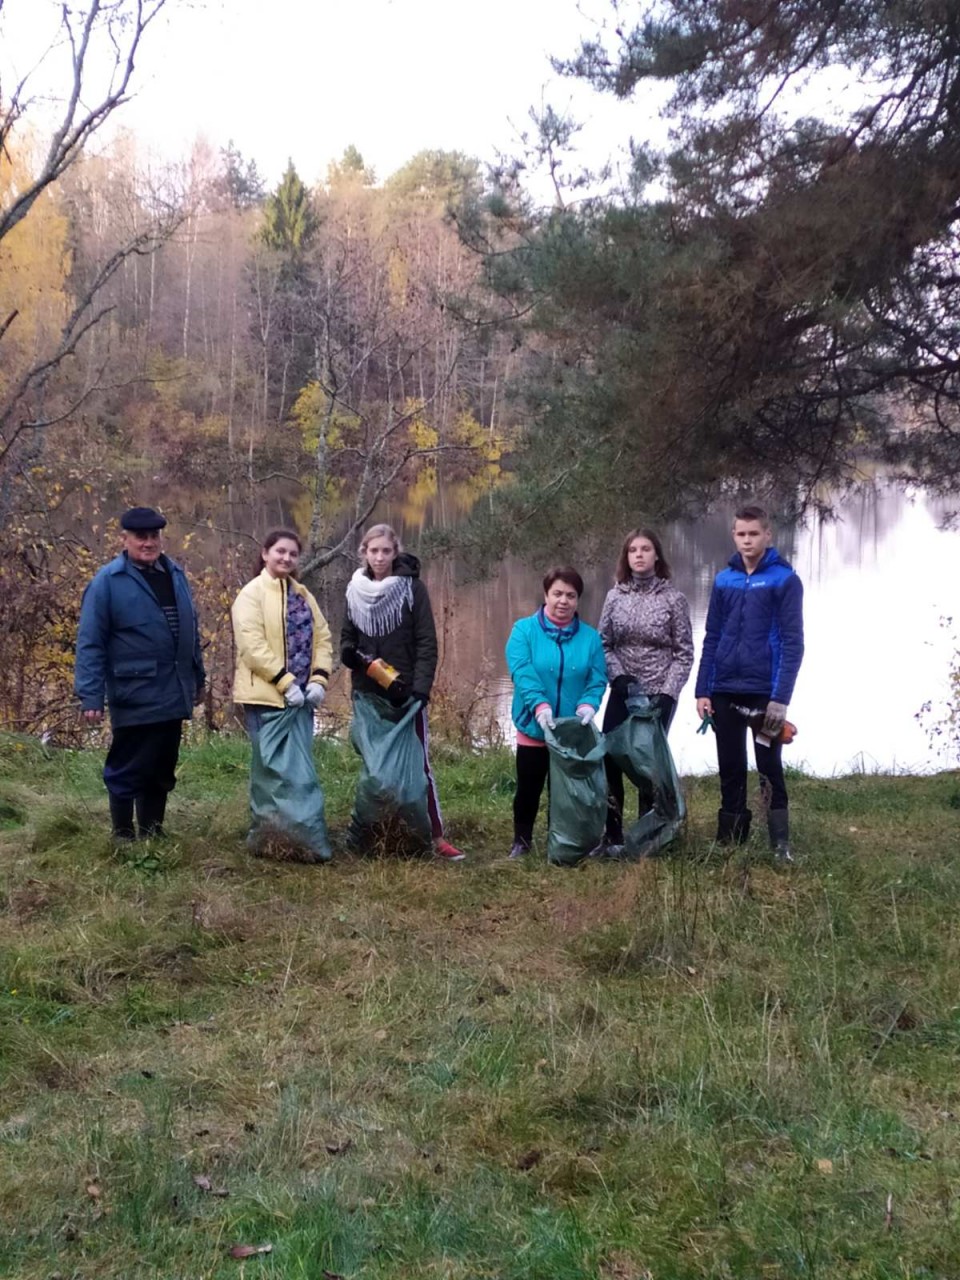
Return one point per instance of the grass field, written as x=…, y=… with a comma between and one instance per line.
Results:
x=690, y=1067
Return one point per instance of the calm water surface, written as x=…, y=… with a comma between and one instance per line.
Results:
x=878, y=581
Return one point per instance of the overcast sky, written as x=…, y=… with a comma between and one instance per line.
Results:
x=306, y=78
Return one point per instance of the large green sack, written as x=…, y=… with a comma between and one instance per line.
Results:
x=578, y=790
x=393, y=782
x=639, y=746
x=285, y=794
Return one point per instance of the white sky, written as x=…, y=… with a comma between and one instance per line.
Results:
x=306, y=78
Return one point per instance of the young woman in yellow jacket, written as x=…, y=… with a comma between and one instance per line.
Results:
x=283, y=664
x=283, y=645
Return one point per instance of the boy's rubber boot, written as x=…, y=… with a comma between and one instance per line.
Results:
x=121, y=818
x=778, y=827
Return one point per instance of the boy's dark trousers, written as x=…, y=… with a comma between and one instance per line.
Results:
x=732, y=729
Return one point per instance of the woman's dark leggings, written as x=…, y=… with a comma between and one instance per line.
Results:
x=614, y=715
x=533, y=767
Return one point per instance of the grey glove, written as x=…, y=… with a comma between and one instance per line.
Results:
x=774, y=719
x=545, y=718
x=585, y=713
x=293, y=696
x=315, y=693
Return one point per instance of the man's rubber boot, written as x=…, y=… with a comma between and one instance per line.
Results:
x=151, y=808
x=121, y=818
x=778, y=826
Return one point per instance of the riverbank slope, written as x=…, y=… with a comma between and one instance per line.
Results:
x=691, y=1067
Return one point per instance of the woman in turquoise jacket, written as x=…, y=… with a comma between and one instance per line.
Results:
x=558, y=669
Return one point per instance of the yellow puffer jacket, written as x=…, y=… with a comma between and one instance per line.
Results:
x=260, y=629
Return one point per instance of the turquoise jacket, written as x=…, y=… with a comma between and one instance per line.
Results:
x=563, y=667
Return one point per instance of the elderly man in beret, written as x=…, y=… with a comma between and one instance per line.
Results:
x=138, y=649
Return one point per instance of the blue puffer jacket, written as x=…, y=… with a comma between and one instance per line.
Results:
x=126, y=650
x=561, y=667
x=754, y=637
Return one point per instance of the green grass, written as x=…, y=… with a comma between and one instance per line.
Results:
x=692, y=1067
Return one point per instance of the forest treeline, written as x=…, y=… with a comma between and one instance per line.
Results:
x=756, y=307
x=293, y=352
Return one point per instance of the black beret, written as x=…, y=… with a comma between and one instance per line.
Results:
x=142, y=520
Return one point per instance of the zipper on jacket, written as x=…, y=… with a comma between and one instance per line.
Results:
x=556, y=710
x=283, y=618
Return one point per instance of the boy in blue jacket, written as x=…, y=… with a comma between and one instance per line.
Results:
x=752, y=652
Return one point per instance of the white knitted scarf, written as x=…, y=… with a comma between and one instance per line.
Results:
x=375, y=607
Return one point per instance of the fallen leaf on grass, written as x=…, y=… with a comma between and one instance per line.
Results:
x=93, y=1191
x=331, y=1275
x=249, y=1250
x=825, y=1166
x=380, y=1035
x=530, y=1159
x=201, y=1181
x=338, y=1148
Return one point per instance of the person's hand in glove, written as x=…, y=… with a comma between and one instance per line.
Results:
x=620, y=685
x=293, y=696
x=315, y=693
x=350, y=658
x=397, y=693
x=774, y=719
x=585, y=713
x=422, y=698
x=544, y=716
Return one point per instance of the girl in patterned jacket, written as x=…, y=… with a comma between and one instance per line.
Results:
x=648, y=641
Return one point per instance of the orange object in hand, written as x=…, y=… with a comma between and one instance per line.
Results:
x=755, y=720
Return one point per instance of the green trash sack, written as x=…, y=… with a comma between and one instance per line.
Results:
x=392, y=789
x=639, y=747
x=578, y=790
x=285, y=793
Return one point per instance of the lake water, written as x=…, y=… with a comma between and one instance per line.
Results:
x=878, y=581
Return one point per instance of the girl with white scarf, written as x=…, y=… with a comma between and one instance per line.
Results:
x=389, y=617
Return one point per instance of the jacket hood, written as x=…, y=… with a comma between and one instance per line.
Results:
x=770, y=557
x=406, y=565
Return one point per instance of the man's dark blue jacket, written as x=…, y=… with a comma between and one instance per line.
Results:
x=754, y=636
x=126, y=649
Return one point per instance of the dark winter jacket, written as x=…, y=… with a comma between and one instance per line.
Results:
x=754, y=636
x=126, y=651
x=411, y=647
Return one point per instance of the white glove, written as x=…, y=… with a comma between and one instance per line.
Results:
x=315, y=693
x=773, y=720
x=293, y=696
x=585, y=713
x=545, y=718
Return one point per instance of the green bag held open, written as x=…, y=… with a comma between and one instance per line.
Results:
x=393, y=782
x=639, y=747
x=578, y=790
x=285, y=793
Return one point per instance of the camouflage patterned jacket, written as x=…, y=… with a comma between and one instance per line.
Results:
x=646, y=634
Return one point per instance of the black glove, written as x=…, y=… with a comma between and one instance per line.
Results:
x=620, y=685
x=397, y=693
x=350, y=658
x=422, y=698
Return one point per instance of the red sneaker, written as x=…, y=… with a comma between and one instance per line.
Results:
x=444, y=849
